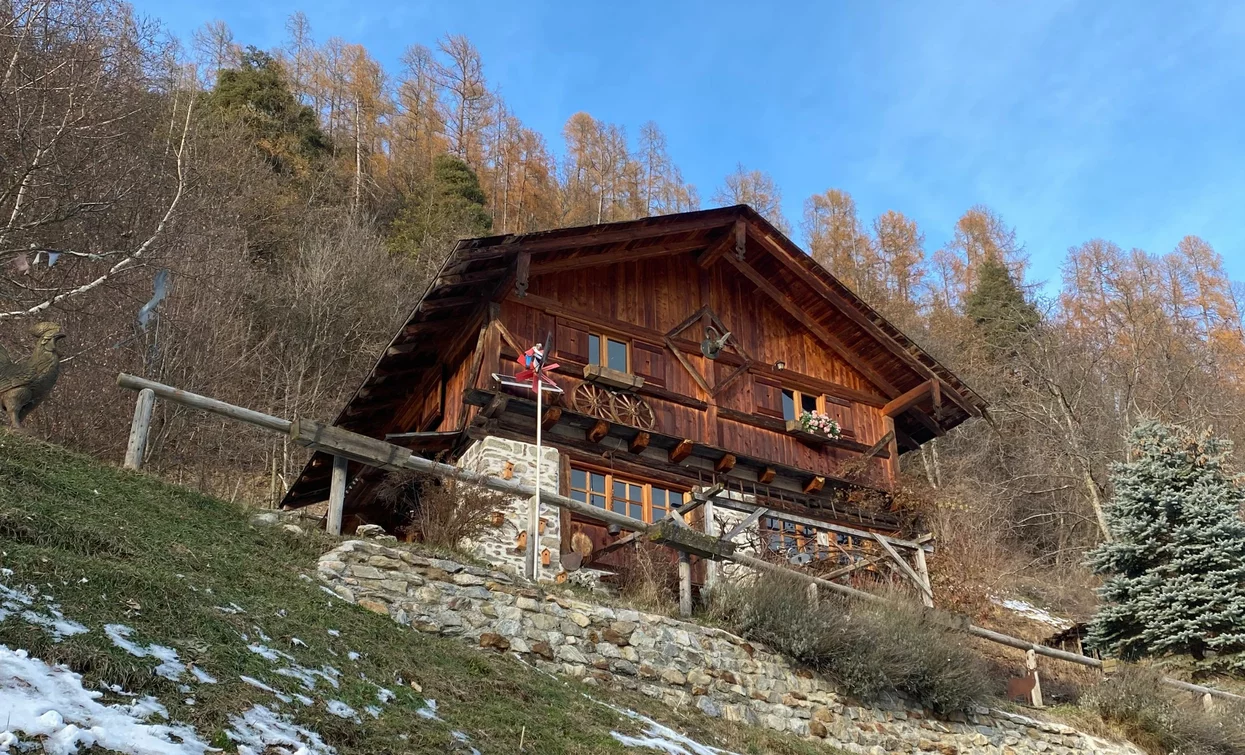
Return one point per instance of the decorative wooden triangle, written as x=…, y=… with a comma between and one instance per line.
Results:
x=700, y=379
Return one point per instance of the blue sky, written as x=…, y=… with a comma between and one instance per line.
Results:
x=1122, y=120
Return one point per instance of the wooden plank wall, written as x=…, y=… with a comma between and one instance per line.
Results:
x=659, y=293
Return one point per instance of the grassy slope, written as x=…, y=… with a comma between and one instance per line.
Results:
x=141, y=545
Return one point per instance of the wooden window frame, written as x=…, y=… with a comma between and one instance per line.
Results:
x=646, y=487
x=797, y=402
x=603, y=356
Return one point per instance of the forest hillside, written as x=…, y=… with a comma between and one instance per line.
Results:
x=252, y=224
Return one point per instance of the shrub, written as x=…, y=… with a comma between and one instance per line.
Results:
x=1137, y=704
x=650, y=579
x=870, y=649
x=440, y=511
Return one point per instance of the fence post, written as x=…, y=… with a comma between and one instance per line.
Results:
x=685, y=584
x=337, y=495
x=1031, y=665
x=137, y=445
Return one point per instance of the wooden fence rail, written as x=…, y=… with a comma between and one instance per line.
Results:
x=346, y=446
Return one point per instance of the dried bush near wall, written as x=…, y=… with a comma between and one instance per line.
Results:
x=1136, y=704
x=650, y=579
x=440, y=512
x=872, y=650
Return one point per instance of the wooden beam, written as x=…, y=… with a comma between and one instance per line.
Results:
x=600, y=259
x=598, y=431
x=909, y=399
x=337, y=496
x=883, y=442
x=548, y=241
x=745, y=523
x=737, y=505
x=523, y=265
x=449, y=302
x=924, y=420
x=696, y=376
x=922, y=570
x=685, y=584
x=927, y=595
x=724, y=464
x=470, y=279
x=137, y=445
x=552, y=415
x=863, y=563
x=767, y=475
x=496, y=406
x=681, y=451
x=714, y=253
x=639, y=442
x=814, y=327
x=814, y=485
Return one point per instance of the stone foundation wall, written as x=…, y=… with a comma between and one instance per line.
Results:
x=677, y=662
x=503, y=545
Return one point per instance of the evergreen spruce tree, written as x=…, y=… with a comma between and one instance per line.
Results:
x=436, y=213
x=998, y=308
x=1176, y=569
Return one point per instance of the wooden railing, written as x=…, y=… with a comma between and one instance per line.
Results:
x=346, y=446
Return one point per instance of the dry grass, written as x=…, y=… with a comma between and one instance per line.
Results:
x=872, y=650
x=1135, y=704
x=439, y=512
x=649, y=581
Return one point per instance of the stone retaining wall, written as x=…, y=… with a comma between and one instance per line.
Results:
x=677, y=662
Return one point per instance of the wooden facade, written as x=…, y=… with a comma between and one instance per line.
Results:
x=646, y=414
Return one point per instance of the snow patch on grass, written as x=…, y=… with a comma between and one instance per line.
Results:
x=47, y=617
x=261, y=730
x=49, y=702
x=170, y=667
x=1030, y=611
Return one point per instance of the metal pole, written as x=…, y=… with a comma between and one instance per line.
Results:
x=533, y=511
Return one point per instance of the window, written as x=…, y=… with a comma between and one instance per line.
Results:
x=791, y=399
x=615, y=356
x=638, y=500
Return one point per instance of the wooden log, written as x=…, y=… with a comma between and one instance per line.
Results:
x=337, y=495
x=745, y=523
x=137, y=444
x=195, y=401
x=814, y=485
x=685, y=584
x=523, y=266
x=598, y=431
x=639, y=442
x=922, y=570
x=1036, y=692
x=552, y=415
x=681, y=451
x=767, y=475
x=927, y=595
x=710, y=528
x=724, y=464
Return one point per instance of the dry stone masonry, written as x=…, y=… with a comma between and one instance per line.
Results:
x=677, y=662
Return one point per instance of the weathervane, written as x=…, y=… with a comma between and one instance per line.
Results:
x=533, y=376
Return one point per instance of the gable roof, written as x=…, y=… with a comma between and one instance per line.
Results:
x=483, y=270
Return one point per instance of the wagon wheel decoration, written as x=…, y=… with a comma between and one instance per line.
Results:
x=629, y=410
x=592, y=400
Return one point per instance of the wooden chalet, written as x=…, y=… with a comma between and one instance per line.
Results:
x=632, y=313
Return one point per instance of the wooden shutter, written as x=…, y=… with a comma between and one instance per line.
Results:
x=840, y=410
x=649, y=362
x=767, y=397
x=571, y=342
